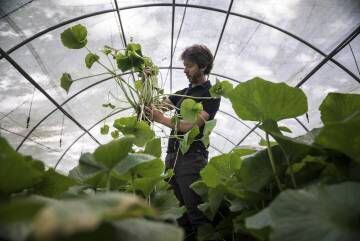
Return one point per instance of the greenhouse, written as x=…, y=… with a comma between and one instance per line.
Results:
x=180, y=120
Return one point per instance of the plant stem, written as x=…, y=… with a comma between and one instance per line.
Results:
x=89, y=76
x=192, y=97
x=293, y=181
x=272, y=161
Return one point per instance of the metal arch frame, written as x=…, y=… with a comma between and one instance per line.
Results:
x=182, y=5
x=37, y=86
x=90, y=86
x=327, y=57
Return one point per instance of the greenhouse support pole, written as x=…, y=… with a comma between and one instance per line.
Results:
x=37, y=86
x=338, y=48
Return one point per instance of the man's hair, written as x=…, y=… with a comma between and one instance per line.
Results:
x=200, y=55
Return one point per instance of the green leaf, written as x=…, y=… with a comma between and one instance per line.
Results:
x=123, y=62
x=66, y=81
x=260, y=220
x=106, y=50
x=131, y=126
x=54, y=184
x=208, y=127
x=284, y=129
x=86, y=214
x=338, y=107
x=114, y=152
x=217, y=171
x=188, y=139
x=146, y=184
x=326, y=213
x=243, y=151
x=104, y=130
x=89, y=171
x=256, y=171
x=137, y=229
x=74, y=37
x=190, y=110
x=222, y=88
x=90, y=59
x=115, y=134
x=342, y=136
x=109, y=105
x=17, y=172
x=259, y=100
x=166, y=204
x=215, y=198
x=263, y=142
x=153, y=147
x=21, y=209
x=131, y=161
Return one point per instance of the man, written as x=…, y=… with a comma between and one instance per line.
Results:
x=198, y=62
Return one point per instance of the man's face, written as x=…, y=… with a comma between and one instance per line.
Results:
x=192, y=71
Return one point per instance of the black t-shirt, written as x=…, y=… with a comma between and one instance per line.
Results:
x=211, y=106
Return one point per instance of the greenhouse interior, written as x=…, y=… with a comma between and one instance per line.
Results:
x=177, y=120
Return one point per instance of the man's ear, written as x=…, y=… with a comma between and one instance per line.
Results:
x=203, y=69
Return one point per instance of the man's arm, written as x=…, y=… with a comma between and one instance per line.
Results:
x=182, y=126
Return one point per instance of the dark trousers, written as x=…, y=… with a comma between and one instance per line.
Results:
x=187, y=171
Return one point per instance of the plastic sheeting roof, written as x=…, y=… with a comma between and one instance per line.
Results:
x=276, y=40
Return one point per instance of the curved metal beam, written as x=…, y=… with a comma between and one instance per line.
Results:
x=182, y=5
x=63, y=103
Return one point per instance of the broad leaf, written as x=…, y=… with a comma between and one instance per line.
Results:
x=165, y=202
x=188, y=139
x=17, y=172
x=85, y=214
x=259, y=100
x=138, y=229
x=89, y=171
x=131, y=126
x=66, y=81
x=222, y=88
x=208, y=127
x=90, y=59
x=115, y=134
x=338, y=107
x=54, y=184
x=153, y=147
x=113, y=152
x=123, y=62
x=256, y=171
x=342, y=136
x=131, y=161
x=190, y=110
x=326, y=213
x=215, y=198
x=74, y=37
x=217, y=171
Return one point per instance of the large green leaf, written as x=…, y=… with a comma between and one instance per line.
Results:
x=166, y=204
x=256, y=171
x=208, y=127
x=85, y=214
x=137, y=229
x=188, y=139
x=17, y=172
x=74, y=37
x=113, y=152
x=153, y=147
x=66, y=81
x=190, y=110
x=123, y=62
x=259, y=100
x=215, y=198
x=89, y=171
x=322, y=213
x=132, y=161
x=338, y=107
x=90, y=59
x=343, y=136
x=145, y=184
x=54, y=184
x=131, y=126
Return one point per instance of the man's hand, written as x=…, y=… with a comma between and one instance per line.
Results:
x=153, y=114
